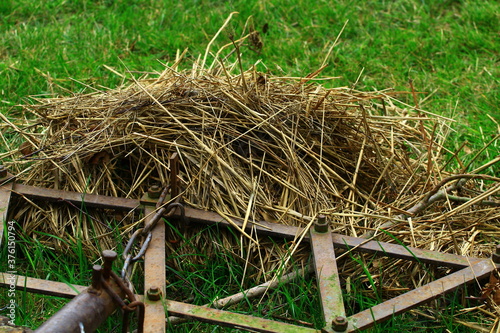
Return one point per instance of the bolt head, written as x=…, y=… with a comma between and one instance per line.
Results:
x=154, y=293
x=154, y=192
x=339, y=324
x=321, y=224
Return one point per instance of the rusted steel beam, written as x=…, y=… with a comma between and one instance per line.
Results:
x=216, y=316
x=264, y=228
x=154, y=277
x=411, y=299
x=341, y=241
x=479, y=269
x=402, y=252
x=40, y=286
x=235, y=320
x=87, y=311
x=327, y=275
x=90, y=200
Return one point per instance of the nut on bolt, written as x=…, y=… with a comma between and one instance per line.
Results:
x=3, y=171
x=154, y=192
x=339, y=324
x=496, y=256
x=154, y=294
x=321, y=224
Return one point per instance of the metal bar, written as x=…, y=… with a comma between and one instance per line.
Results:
x=263, y=228
x=87, y=311
x=411, y=299
x=175, y=308
x=327, y=275
x=40, y=286
x=5, y=194
x=236, y=320
x=402, y=252
x=154, y=278
x=90, y=200
x=346, y=242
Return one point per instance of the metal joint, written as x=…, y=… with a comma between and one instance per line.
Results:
x=321, y=224
x=154, y=293
x=339, y=324
x=154, y=192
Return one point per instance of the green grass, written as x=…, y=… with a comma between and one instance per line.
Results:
x=450, y=49
x=217, y=274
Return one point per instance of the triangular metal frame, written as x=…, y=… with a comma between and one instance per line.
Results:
x=323, y=244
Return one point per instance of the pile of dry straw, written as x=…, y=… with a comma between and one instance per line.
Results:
x=252, y=145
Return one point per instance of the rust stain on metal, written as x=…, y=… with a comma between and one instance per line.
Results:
x=402, y=252
x=87, y=310
x=323, y=244
x=327, y=275
x=90, y=200
x=154, y=277
x=40, y=286
x=235, y=320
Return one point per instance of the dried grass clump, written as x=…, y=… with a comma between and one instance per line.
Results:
x=281, y=149
x=257, y=147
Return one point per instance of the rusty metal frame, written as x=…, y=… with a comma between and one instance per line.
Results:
x=323, y=244
x=154, y=278
x=327, y=275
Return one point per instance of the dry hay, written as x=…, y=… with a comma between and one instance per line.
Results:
x=257, y=147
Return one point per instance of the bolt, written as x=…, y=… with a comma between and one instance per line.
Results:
x=496, y=256
x=154, y=293
x=96, y=279
x=321, y=224
x=108, y=257
x=339, y=324
x=154, y=192
x=3, y=171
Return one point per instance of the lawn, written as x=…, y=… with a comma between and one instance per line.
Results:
x=448, y=51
